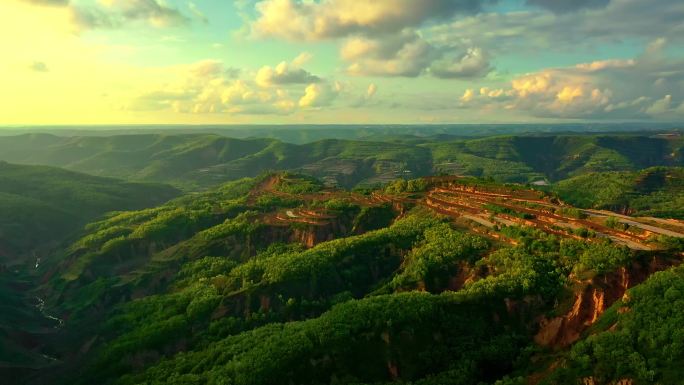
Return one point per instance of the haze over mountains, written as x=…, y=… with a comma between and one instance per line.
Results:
x=306, y=133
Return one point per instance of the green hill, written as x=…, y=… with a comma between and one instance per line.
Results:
x=204, y=160
x=277, y=279
x=655, y=191
x=525, y=158
x=41, y=205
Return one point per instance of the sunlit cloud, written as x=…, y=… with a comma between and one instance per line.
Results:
x=648, y=86
x=328, y=60
x=304, y=20
x=286, y=73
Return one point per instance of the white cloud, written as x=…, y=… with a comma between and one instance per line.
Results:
x=649, y=86
x=405, y=54
x=286, y=73
x=208, y=87
x=528, y=31
x=118, y=13
x=606, y=64
x=666, y=108
x=319, y=95
x=408, y=54
x=302, y=59
x=309, y=20
x=115, y=13
x=473, y=63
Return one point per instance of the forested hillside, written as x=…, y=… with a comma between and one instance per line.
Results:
x=655, y=191
x=200, y=161
x=40, y=205
x=278, y=279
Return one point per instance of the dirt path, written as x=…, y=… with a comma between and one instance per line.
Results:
x=633, y=222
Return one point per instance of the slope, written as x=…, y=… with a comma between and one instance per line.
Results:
x=655, y=191
x=41, y=205
x=278, y=279
x=203, y=160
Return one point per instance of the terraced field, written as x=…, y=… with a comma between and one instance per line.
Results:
x=493, y=208
x=485, y=210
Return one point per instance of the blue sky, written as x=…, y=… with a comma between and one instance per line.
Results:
x=340, y=61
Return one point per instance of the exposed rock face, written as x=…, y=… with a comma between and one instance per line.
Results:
x=314, y=235
x=596, y=296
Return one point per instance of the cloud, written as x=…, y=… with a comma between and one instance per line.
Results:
x=561, y=6
x=206, y=87
x=117, y=13
x=212, y=69
x=212, y=96
x=154, y=12
x=308, y=20
x=232, y=72
x=302, y=59
x=601, y=65
x=38, y=66
x=468, y=95
x=473, y=64
x=286, y=73
x=529, y=31
x=408, y=54
x=405, y=54
x=648, y=86
x=666, y=108
x=366, y=97
x=319, y=95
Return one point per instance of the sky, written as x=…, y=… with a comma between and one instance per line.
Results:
x=340, y=61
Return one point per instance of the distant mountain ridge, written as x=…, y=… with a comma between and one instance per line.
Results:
x=200, y=161
x=307, y=133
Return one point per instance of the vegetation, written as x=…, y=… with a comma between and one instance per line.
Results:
x=655, y=191
x=239, y=306
x=42, y=205
x=643, y=342
x=277, y=277
x=202, y=160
